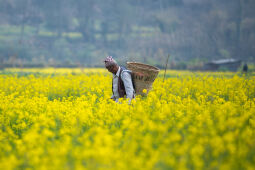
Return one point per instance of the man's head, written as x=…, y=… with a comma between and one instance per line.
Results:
x=111, y=65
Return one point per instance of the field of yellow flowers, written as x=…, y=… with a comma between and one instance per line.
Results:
x=64, y=119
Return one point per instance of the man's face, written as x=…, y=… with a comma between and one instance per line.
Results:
x=112, y=68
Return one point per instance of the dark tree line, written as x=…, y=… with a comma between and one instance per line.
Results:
x=85, y=31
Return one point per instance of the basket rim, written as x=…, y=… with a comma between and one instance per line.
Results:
x=152, y=67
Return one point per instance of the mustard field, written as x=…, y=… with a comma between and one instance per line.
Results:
x=64, y=119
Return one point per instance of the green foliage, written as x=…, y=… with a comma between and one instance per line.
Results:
x=86, y=31
x=16, y=50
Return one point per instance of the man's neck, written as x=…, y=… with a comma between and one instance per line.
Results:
x=118, y=71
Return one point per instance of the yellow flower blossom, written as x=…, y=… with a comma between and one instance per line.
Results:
x=65, y=119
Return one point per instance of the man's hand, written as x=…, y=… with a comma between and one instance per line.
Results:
x=113, y=98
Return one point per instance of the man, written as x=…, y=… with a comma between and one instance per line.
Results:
x=122, y=84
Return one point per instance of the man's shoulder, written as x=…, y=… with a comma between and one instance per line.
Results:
x=125, y=71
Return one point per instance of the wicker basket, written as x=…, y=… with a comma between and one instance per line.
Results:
x=144, y=76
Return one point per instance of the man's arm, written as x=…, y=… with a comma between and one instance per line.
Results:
x=127, y=80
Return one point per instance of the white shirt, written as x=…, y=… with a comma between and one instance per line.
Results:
x=127, y=80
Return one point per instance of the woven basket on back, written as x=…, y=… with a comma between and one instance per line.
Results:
x=144, y=76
